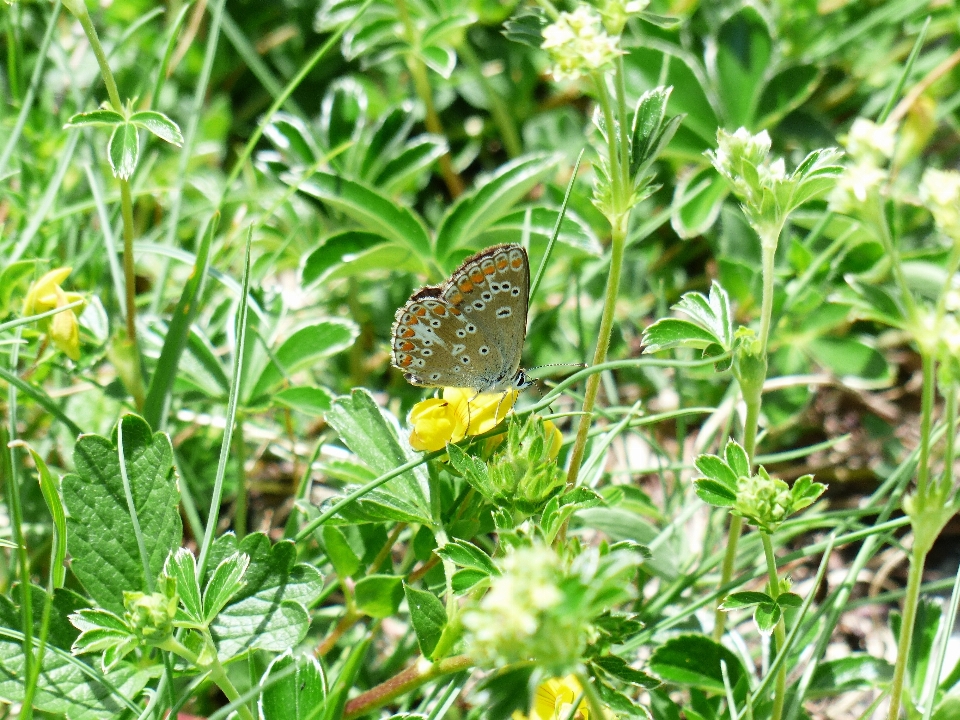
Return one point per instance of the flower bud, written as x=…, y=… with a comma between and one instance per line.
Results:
x=940, y=194
x=578, y=44
x=150, y=616
x=764, y=501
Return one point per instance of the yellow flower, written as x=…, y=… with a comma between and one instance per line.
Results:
x=458, y=413
x=46, y=294
x=555, y=437
x=554, y=700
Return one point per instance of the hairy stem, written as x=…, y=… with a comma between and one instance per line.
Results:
x=402, y=683
x=917, y=560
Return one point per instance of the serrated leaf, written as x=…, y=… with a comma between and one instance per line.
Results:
x=474, y=471
x=767, y=615
x=526, y=27
x=694, y=661
x=620, y=669
x=101, y=540
x=182, y=566
x=714, y=493
x=789, y=599
x=673, y=332
x=379, y=596
x=226, y=580
x=428, y=617
x=296, y=696
x=158, y=124
x=714, y=468
x=123, y=150
x=467, y=555
x=270, y=610
x=737, y=459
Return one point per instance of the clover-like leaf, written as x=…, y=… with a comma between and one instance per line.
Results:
x=95, y=118
x=805, y=492
x=526, y=27
x=738, y=600
x=158, y=124
x=767, y=615
x=182, y=566
x=123, y=150
x=224, y=584
x=736, y=458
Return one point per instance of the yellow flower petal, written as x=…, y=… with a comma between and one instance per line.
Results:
x=435, y=423
x=65, y=333
x=554, y=437
x=42, y=295
x=483, y=412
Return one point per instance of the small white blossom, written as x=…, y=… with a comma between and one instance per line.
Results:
x=578, y=43
x=853, y=187
x=940, y=193
x=867, y=140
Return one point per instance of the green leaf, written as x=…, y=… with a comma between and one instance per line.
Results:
x=789, y=599
x=307, y=399
x=439, y=58
x=712, y=313
x=473, y=470
x=379, y=596
x=270, y=610
x=304, y=348
x=374, y=437
x=744, y=599
x=50, y=488
x=343, y=112
x=13, y=278
x=292, y=139
x=526, y=27
x=714, y=468
x=373, y=211
x=341, y=555
x=467, y=555
x=406, y=168
x=95, y=118
x=182, y=566
x=858, y=671
x=672, y=332
x=767, y=615
x=476, y=210
x=620, y=669
x=101, y=539
x=157, y=403
x=158, y=124
x=224, y=583
x=694, y=661
x=428, y=617
x=714, y=493
x=466, y=579
x=850, y=357
x=743, y=50
x=737, y=459
x=785, y=91
x=123, y=150
x=805, y=492
x=299, y=694
x=574, y=231
x=335, y=251
x=697, y=199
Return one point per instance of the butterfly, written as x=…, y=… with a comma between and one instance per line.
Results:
x=468, y=332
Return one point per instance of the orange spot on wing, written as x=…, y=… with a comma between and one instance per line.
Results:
x=456, y=299
x=439, y=310
x=465, y=286
x=489, y=269
x=411, y=320
x=516, y=262
x=501, y=263
x=407, y=346
x=405, y=361
x=477, y=277
x=408, y=333
x=454, y=311
x=420, y=311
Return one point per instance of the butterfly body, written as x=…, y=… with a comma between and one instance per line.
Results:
x=468, y=332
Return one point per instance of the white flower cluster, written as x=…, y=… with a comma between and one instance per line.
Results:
x=578, y=44
x=616, y=12
x=503, y=627
x=940, y=194
x=869, y=146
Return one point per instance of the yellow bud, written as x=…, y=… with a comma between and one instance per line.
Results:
x=65, y=333
x=42, y=295
x=554, y=437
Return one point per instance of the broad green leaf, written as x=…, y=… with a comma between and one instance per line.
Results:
x=850, y=357
x=743, y=50
x=805, y=492
x=343, y=113
x=766, y=616
x=95, y=118
x=14, y=277
x=123, y=150
x=299, y=695
x=389, y=134
x=157, y=403
x=303, y=348
x=226, y=580
x=475, y=211
x=336, y=250
x=379, y=596
x=466, y=579
x=373, y=211
x=744, y=599
x=415, y=158
x=473, y=470
x=428, y=618
x=467, y=555
x=860, y=670
x=341, y=555
x=694, y=661
x=182, y=566
x=374, y=436
x=158, y=124
x=101, y=538
x=737, y=459
x=785, y=91
x=789, y=599
x=270, y=610
x=309, y=400
x=292, y=139
x=673, y=332
x=697, y=199
x=50, y=488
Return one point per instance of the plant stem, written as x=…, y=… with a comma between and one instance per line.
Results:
x=590, y=695
x=219, y=676
x=129, y=271
x=917, y=560
x=928, y=399
x=91, y=32
x=421, y=82
x=600, y=354
x=402, y=683
x=769, y=252
x=240, y=506
x=780, y=689
x=726, y=573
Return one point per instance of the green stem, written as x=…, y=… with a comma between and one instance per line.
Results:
x=769, y=252
x=91, y=32
x=726, y=573
x=219, y=676
x=591, y=696
x=402, y=683
x=421, y=82
x=780, y=688
x=621, y=90
x=240, y=506
x=603, y=344
x=928, y=399
x=883, y=230
x=917, y=560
